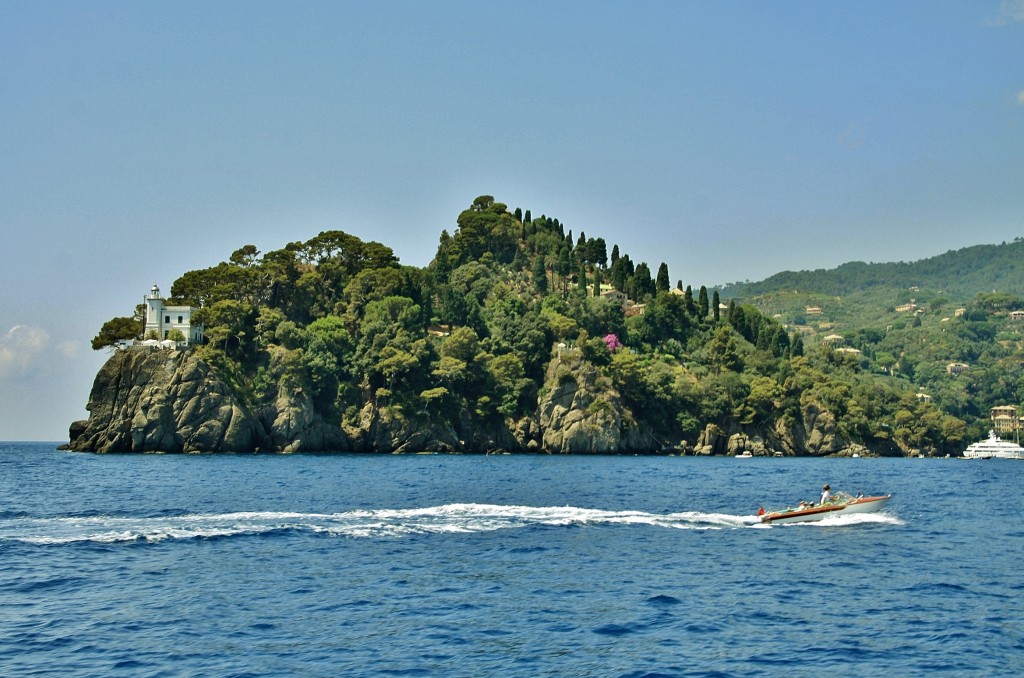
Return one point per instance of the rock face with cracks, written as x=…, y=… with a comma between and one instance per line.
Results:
x=153, y=400
x=147, y=399
x=581, y=412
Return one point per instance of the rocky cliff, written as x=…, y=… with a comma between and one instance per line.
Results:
x=155, y=400
x=579, y=411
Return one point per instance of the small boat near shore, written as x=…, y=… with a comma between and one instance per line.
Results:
x=841, y=504
x=994, y=448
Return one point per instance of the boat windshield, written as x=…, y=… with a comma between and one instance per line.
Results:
x=836, y=499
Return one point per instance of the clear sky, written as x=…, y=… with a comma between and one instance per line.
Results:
x=730, y=140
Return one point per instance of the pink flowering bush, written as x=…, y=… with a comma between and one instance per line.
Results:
x=612, y=342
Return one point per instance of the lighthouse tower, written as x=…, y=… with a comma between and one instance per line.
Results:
x=154, y=309
x=163, y=319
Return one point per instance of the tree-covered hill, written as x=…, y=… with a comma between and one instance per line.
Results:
x=958, y=273
x=943, y=327
x=520, y=335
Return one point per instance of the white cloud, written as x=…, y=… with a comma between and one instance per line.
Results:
x=1020, y=97
x=1010, y=11
x=21, y=351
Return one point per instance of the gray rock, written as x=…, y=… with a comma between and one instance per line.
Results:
x=155, y=400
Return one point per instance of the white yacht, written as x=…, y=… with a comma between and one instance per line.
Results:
x=994, y=448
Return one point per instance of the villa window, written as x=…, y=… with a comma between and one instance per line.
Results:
x=179, y=319
x=167, y=319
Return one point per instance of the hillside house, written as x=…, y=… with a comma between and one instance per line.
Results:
x=957, y=368
x=1004, y=419
x=906, y=308
x=616, y=296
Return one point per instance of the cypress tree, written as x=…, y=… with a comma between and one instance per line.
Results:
x=796, y=348
x=716, y=301
x=564, y=266
x=702, y=302
x=540, y=276
x=619, y=277
x=598, y=251
x=662, y=284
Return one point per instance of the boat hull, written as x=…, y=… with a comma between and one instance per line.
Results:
x=994, y=453
x=994, y=448
x=820, y=512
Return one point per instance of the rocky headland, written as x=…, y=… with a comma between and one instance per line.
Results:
x=153, y=400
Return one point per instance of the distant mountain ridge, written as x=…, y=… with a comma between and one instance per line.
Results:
x=961, y=273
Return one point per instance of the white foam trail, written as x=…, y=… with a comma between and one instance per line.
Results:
x=450, y=518
x=860, y=519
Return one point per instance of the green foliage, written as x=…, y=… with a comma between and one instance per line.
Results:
x=662, y=283
x=115, y=330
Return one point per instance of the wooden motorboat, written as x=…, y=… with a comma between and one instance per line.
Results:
x=840, y=504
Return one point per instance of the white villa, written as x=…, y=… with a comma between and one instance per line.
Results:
x=162, y=319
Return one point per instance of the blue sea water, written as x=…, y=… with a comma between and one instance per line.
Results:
x=358, y=565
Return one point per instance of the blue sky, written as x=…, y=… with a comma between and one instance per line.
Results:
x=730, y=140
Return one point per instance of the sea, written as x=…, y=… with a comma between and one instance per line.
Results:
x=503, y=565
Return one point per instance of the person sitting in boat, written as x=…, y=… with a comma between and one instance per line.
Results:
x=826, y=494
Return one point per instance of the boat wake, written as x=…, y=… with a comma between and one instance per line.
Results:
x=851, y=519
x=450, y=518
